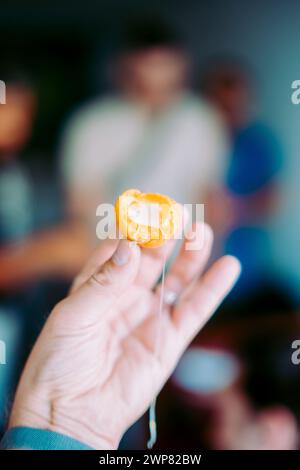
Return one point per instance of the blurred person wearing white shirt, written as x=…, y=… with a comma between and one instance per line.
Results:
x=154, y=135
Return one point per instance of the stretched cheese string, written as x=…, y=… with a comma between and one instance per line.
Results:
x=152, y=410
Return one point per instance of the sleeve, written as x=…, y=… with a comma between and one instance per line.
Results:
x=257, y=159
x=25, y=438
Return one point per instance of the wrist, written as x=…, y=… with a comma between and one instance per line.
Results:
x=37, y=415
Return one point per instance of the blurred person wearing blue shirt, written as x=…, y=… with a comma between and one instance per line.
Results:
x=241, y=213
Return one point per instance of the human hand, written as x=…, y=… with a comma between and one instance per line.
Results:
x=94, y=371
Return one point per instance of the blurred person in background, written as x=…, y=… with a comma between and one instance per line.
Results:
x=241, y=213
x=26, y=253
x=24, y=256
x=16, y=208
x=16, y=118
x=153, y=134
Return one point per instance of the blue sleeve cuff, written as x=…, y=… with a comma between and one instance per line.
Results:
x=39, y=439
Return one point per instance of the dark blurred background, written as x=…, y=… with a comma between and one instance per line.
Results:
x=66, y=46
x=67, y=51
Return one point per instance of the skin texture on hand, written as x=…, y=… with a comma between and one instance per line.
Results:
x=93, y=371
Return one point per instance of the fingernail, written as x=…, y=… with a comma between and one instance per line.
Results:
x=123, y=253
x=231, y=270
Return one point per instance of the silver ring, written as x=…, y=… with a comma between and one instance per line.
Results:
x=170, y=297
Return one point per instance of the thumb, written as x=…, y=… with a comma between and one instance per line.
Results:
x=118, y=272
x=101, y=291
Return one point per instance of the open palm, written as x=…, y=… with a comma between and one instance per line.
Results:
x=105, y=351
